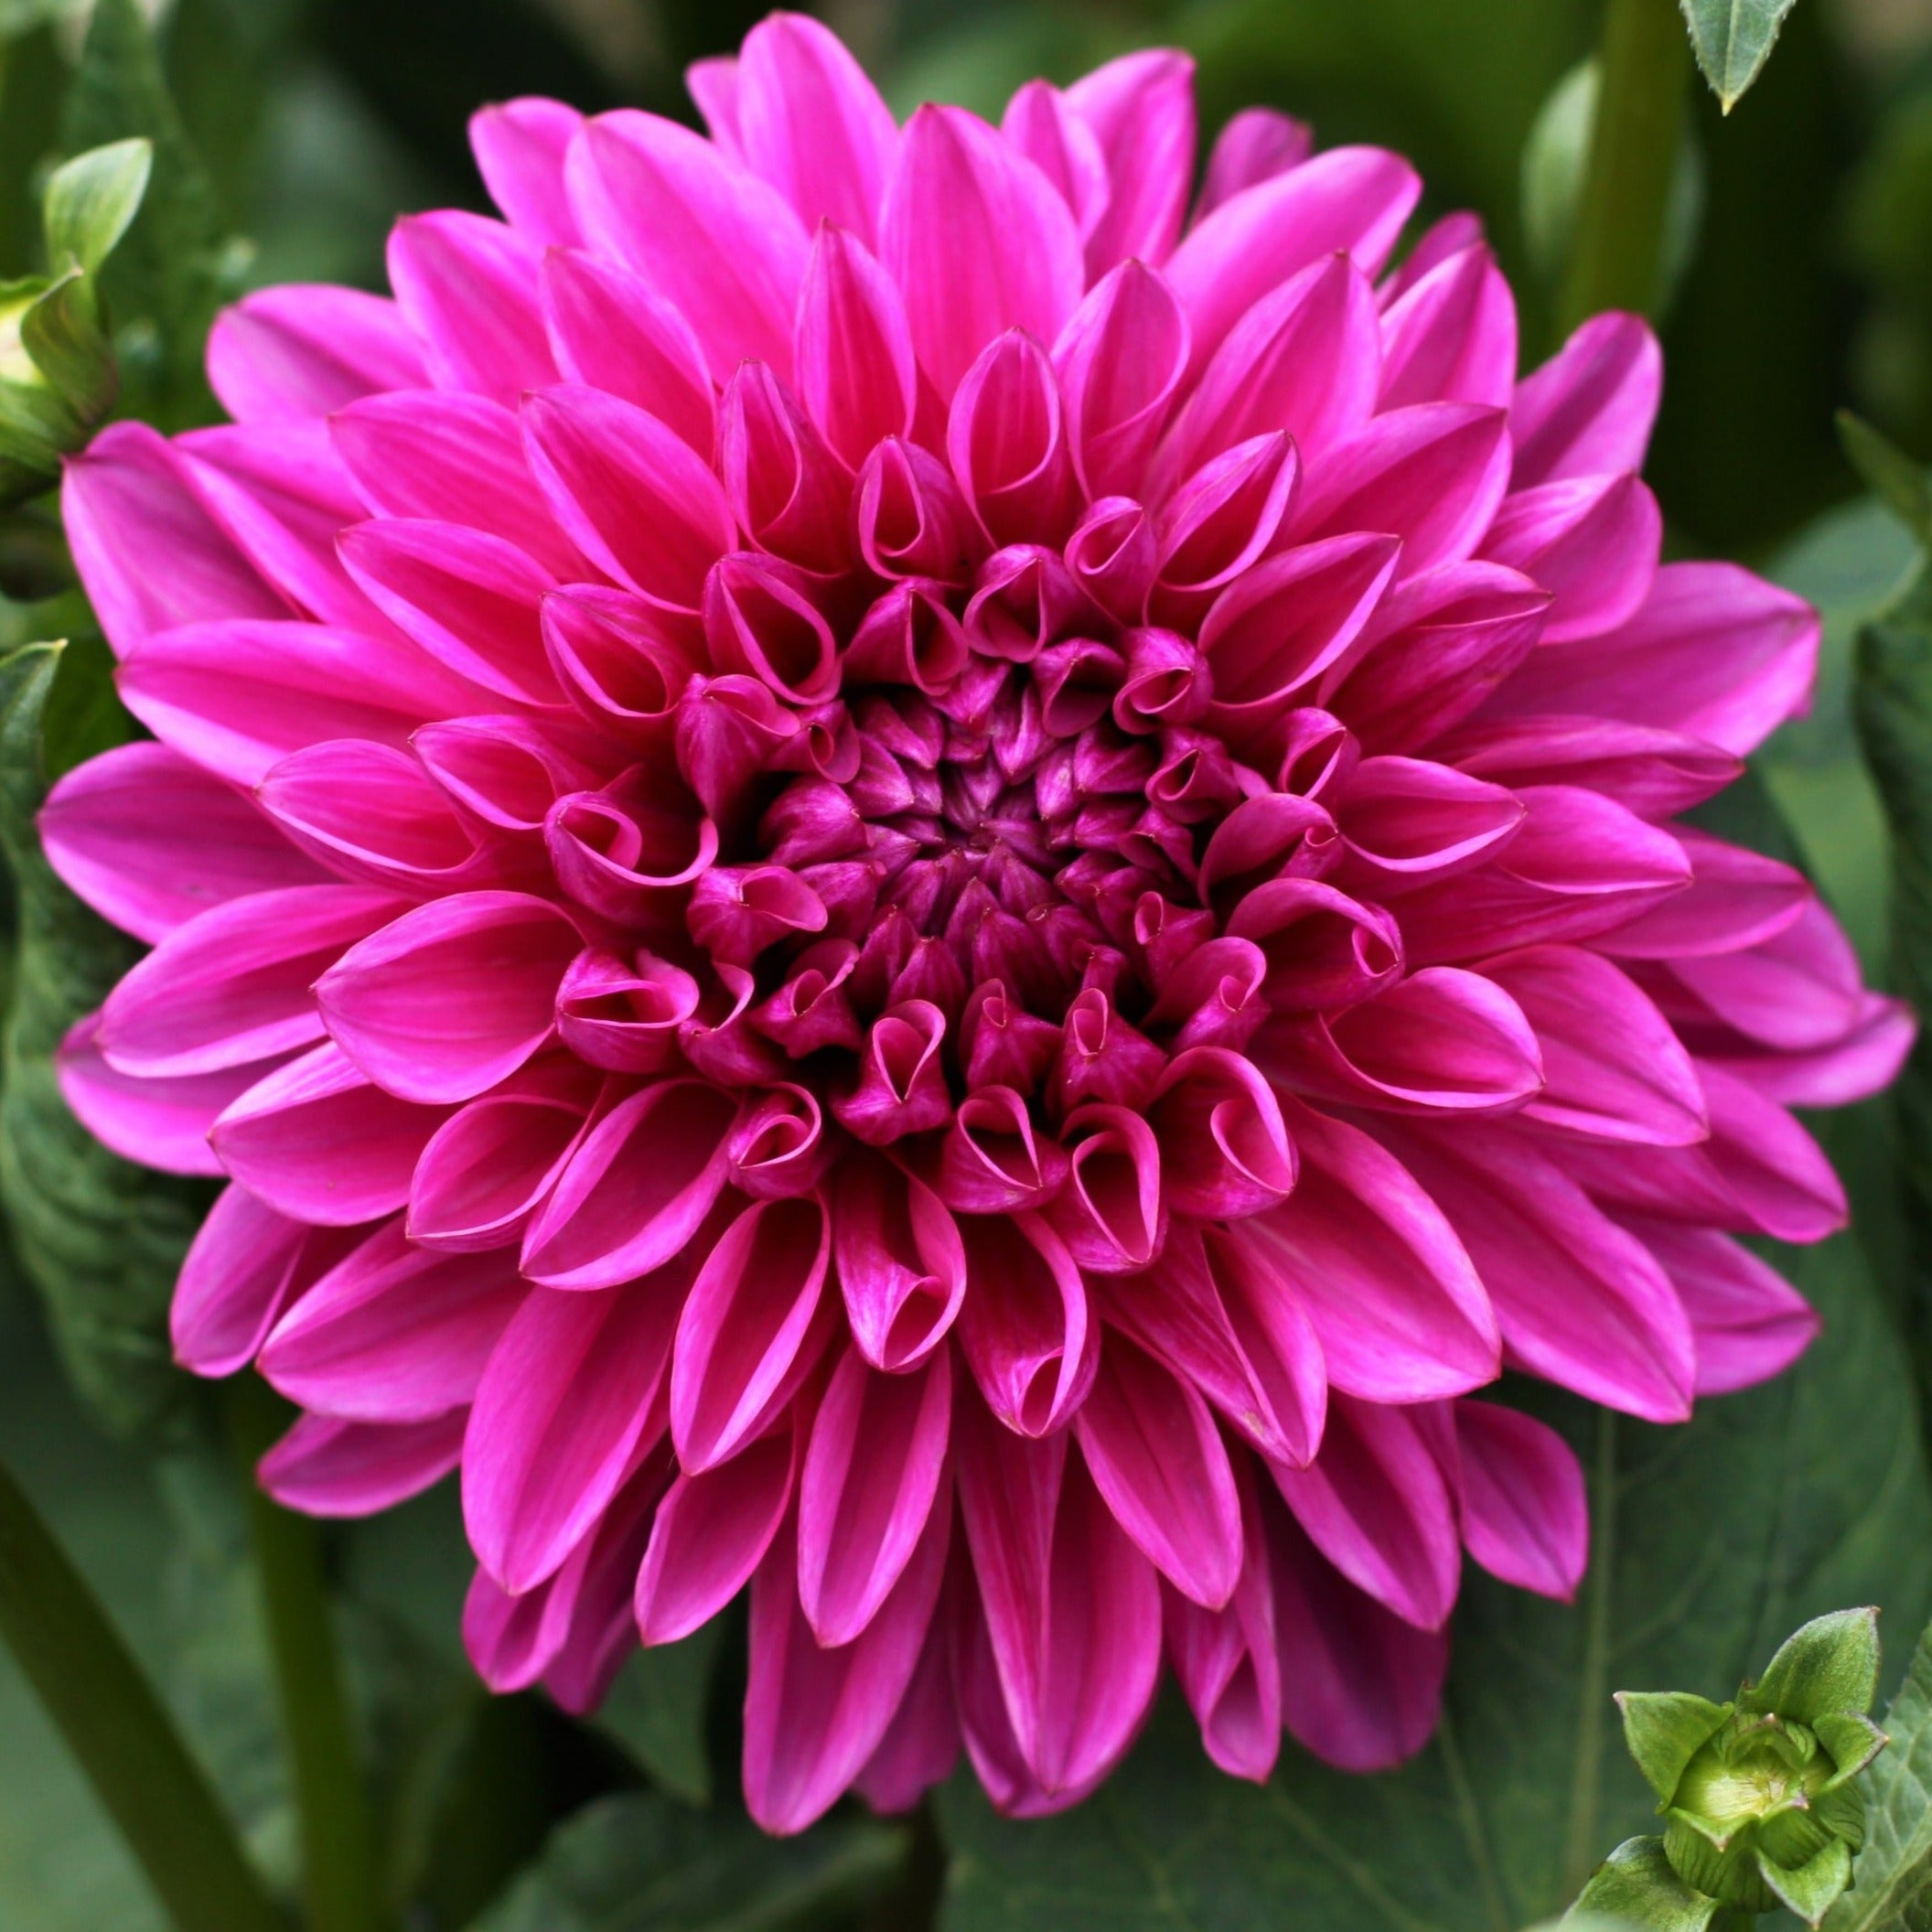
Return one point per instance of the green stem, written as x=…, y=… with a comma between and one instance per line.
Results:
x=338, y=1829
x=117, y=1728
x=1644, y=66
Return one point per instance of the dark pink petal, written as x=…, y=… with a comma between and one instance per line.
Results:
x=1141, y=110
x=1322, y=948
x=922, y=1743
x=1525, y=1515
x=1591, y=541
x=149, y=840
x=520, y=147
x=325, y=1466
x=1588, y=410
x=900, y=1087
x=452, y=997
x=1255, y=146
x=1653, y=773
x=1404, y=820
x=1040, y=124
x=1029, y=1334
x=1450, y=335
x=1389, y=1289
x=1737, y=898
x=978, y=241
x=1119, y=360
x=393, y=1333
x=1008, y=443
x=792, y=496
x=1225, y=1149
x=758, y=625
x=717, y=242
x=639, y=1187
x=570, y=1396
x=1221, y=521
x=780, y=1146
x=301, y=351
x=630, y=851
x=505, y=772
x=621, y=663
x=469, y=289
x=851, y=350
x=1111, y=1213
x=870, y=1482
x=1796, y=988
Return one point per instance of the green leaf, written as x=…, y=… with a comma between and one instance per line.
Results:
x=655, y=1711
x=1637, y=1887
x=1903, y=486
x=62, y=333
x=99, y=1238
x=91, y=199
x=1892, y=1877
x=1711, y=1541
x=1664, y=1730
x=642, y=1864
x=1832, y=1664
x=1731, y=40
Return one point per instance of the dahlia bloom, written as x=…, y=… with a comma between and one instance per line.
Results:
x=898, y=866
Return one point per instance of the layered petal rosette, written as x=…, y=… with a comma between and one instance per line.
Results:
x=899, y=867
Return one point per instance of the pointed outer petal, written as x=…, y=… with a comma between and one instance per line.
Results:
x=1749, y=1322
x=811, y=123
x=1715, y=653
x=993, y=1162
x=852, y=350
x=452, y=997
x=1525, y=1515
x=157, y=1121
x=1120, y=361
x=1007, y=442
x=1360, y=1688
x=712, y=239
x=1737, y=898
x=1324, y=950
x=232, y=986
x=1388, y=1286
x=1405, y=818
x=1220, y=522
x=1028, y=1335
x=977, y=240
x=297, y=352
x=1286, y=622
x=469, y=599
x=503, y=772
x=1377, y=1504
x=149, y=840
x=711, y=1532
x=1111, y=1213
x=630, y=491
x=560, y=1415
x=901, y=1263
x=1591, y=541
x=1354, y=199
x=912, y=520
x=1225, y=1149
x=1307, y=359
x=1656, y=774
x=921, y=1744
x=1759, y=1173
x=637, y=1190
x=620, y=662
x=871, y=1476
x=1440, y=1041
x=325, y=1466
x=488, y=1167
x=1450, y=335
x=814, y=1716
x=316, y=1141
x=1432, y=475
x=1072, y=1610
x=149, y=556
x=245, y=1267
x=1140, y=109
x=393, y=1333
x=1799, y=989
x=900, y=1087
x=1039, y=124
x=759, y=625
x=451, y=458
x=751, y=1329
x=467, y=286
x=1613, y=1069
x=1227, y=1661
x=1863, y=1062
x=609, y=330
x=1158, y=1460
x=1439, y=645
x=237, y=697
x=1588, y=410
x=1578, y=866
x=520, y=147
x=1581, y=1301
x=625, y=1017
x=712, y=85
x=1255, y=146
x=792, y=495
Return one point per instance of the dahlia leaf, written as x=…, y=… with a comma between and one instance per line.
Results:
x=1892, y=1876
x=1635, y=1886
x=640, y=1863
x=99, y=1238
x=1732, y=40
x=1760, y=1511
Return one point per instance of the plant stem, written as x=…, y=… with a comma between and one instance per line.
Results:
x=1644, y=66
x=118, y=1729
x=338, y=1830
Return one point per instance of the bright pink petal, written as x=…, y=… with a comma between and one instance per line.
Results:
x=1525, y=1514
x=520, y=147
x=326, y=1467
x=299, y=352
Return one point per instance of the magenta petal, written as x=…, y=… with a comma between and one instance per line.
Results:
x=297, y=353
x=1525, y=1514
x=1141, y=110
x=1591, y=541
x=1588, y=410
x=921, y=1744
x=1225, y=1149
x=853, y=352
x=1028, y=1334
x=1119, y=360
x=1255, y=146
x=326, y=1467
x=901, y=1265
x=469, y=289
x=1450, y=335
x=520, y=147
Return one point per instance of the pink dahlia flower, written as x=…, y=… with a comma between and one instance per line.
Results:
x=897, y=865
